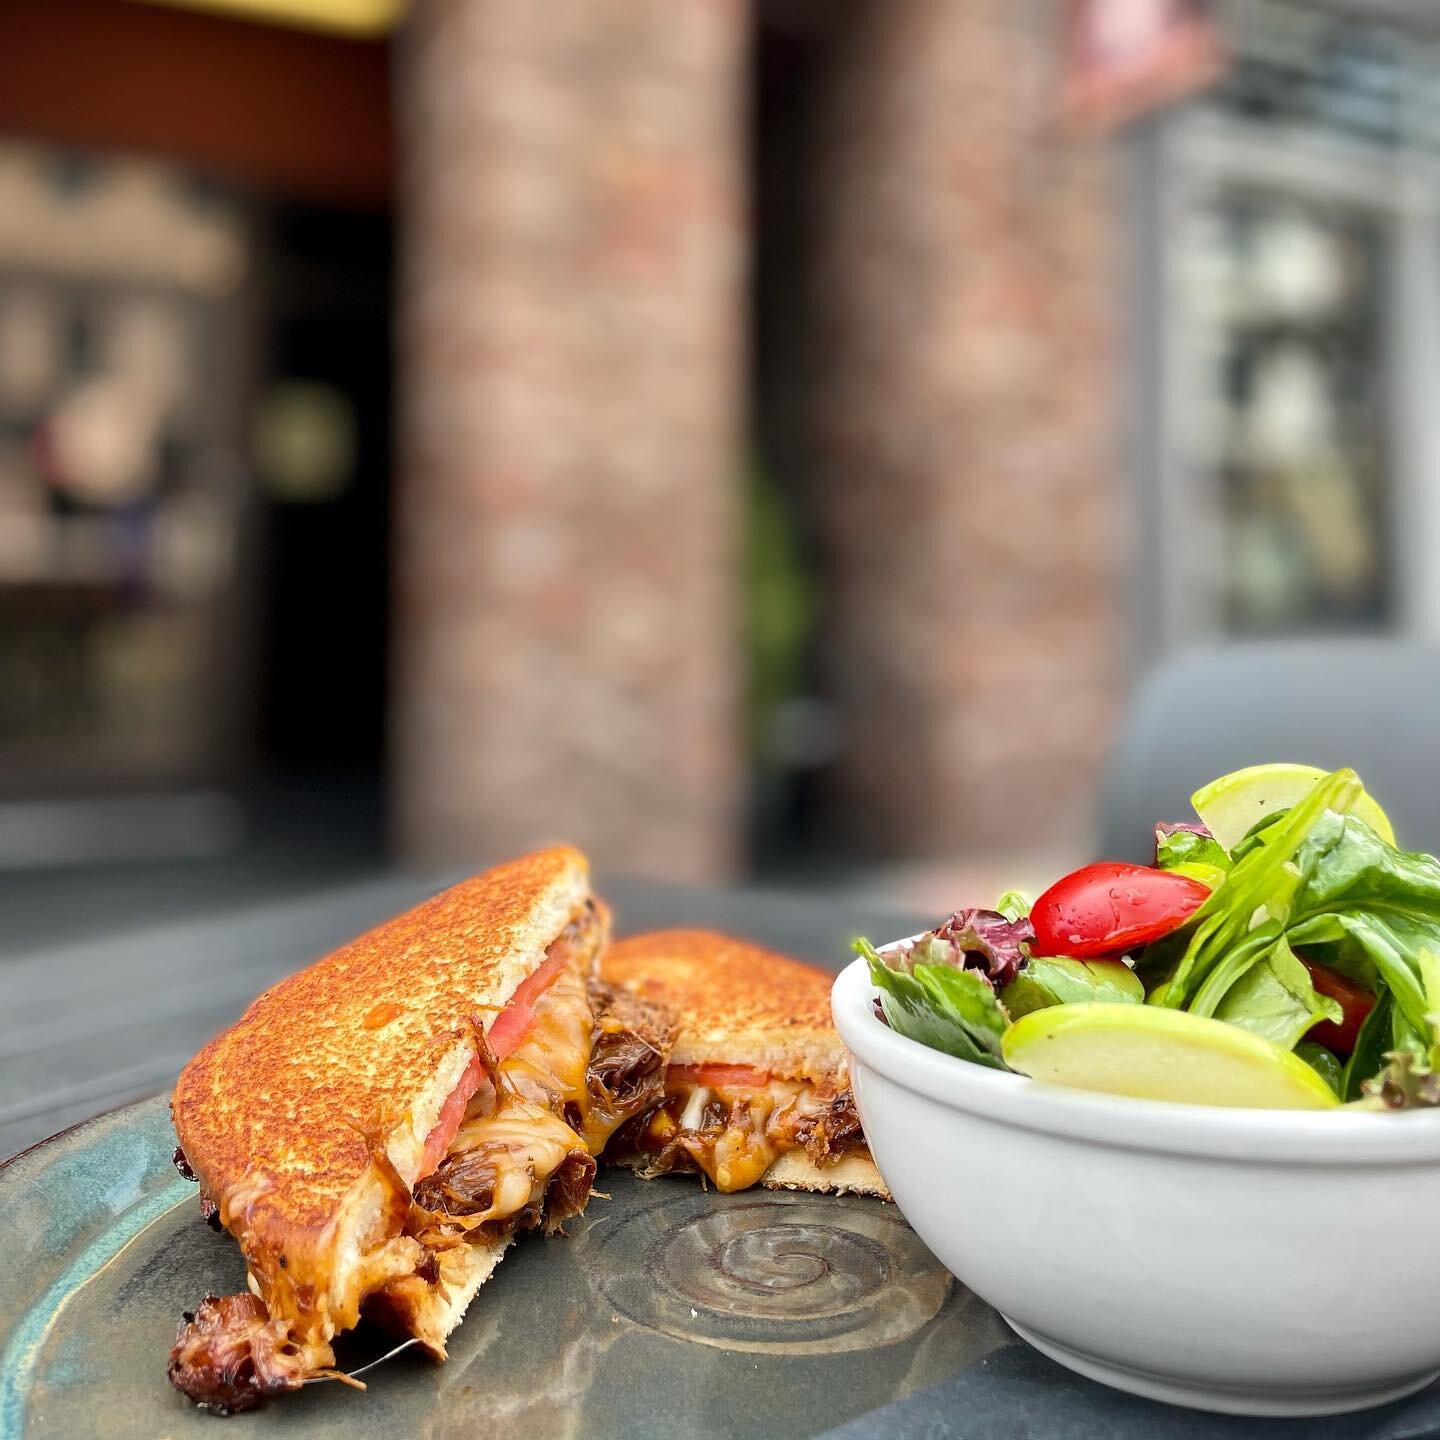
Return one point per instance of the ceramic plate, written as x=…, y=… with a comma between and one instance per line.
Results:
x=668, y=1311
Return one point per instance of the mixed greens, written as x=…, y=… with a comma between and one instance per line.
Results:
x=1287, y=913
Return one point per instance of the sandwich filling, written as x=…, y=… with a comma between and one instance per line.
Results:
x=733, y=1122
x=562, y=1066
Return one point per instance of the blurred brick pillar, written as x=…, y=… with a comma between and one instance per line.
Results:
x=964, y=426
x=570, y=346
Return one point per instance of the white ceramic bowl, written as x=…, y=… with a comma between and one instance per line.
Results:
x=1261, y=1262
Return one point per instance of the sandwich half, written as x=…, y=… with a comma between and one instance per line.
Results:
x=377, y=1128
x=757, y=1086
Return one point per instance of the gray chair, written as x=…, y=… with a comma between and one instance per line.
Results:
x=1371, y=704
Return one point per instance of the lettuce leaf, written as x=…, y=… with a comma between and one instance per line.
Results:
x=1368, y=1057
x=1275, y=999
x=949, y=1009
x=1320, y=881
x=1393, y=958
x=1183, y=844
x=1408, y=1082
x=1410, y=1079
x=1376, y=908
x=1013, y=905
x=1325, y=1063
x=983, y=940
x=1058, y=981
x=1260, y=887
x=1345, y=865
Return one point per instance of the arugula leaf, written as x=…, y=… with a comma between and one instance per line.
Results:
x=1325, y=1063
x=1260, y=986
x=946, y=1008
x=1053, y=980
x=1251, y=839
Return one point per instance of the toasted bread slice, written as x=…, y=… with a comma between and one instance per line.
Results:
x=735, y=1004
x=301, y=1119
x=429, y=1312
x=852, y=1174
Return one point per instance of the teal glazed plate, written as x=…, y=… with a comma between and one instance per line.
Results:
x=668, y=1310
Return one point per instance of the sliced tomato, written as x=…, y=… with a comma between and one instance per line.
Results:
x=1356, y=1002
x=509, y=1029
x=713, y=1077
x=515, y=1019
x=1112, y=909
x=452, y=1112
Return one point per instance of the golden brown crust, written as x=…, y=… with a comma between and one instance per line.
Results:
x=290, y=1118
x=735, y=1003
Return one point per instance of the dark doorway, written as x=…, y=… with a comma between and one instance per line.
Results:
x=325, y=493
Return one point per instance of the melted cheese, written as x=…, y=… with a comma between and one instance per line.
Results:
x=548, y=1066
x=519, y=1122
x=551, y=1064
x=526, y=1144
x=753, y=1137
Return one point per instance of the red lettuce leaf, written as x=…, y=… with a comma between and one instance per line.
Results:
x=981, y=940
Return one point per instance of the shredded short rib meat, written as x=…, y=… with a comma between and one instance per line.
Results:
x=628, y=1049
x=825, y=1129
x=568, y=1190
x=465, y=1185
x=228, y=1356
x=461, y=1185
x=834, y=1129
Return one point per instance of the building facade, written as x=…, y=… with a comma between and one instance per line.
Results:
x=806, y=427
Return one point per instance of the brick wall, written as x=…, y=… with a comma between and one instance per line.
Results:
x=963, y=423
x=569, y=335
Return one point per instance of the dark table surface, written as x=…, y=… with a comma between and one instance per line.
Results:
x=109, y=1015
x=99, y=1021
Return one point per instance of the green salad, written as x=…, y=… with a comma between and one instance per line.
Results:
x=1281, y=952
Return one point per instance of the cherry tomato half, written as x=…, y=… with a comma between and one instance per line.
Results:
x=1356, y=1003
x=1111, y=909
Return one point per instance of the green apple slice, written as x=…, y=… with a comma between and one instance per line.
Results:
x=1156, y=1054
x=1208, y=875
x=1231, y=805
